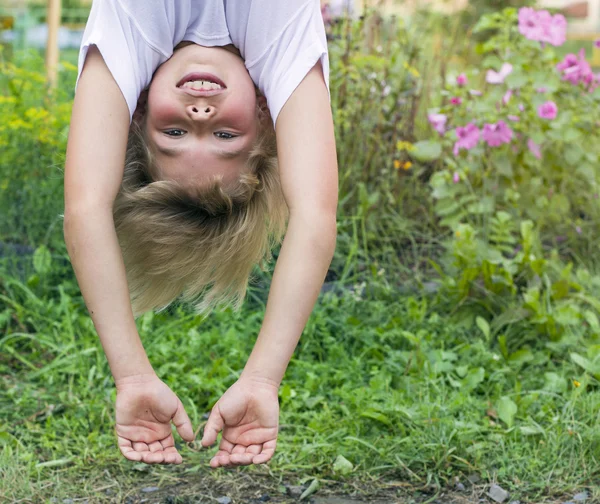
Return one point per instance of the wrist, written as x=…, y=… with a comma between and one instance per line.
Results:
x=259, y=378
x=135, y=379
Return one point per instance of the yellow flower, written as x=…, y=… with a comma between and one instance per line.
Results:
x=412, y=70
x=457, y=234
x=407, y=165
x=7, y=99
x=396, y=164
x=576, y=384
x=407, y=146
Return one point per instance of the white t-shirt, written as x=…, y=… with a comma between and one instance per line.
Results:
x=280, y=40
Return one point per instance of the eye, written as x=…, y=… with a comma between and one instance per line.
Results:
x=174, y=132
x=223, y=135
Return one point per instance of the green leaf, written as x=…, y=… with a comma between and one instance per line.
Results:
x=483, y=326
x=375, y=415
x=42, y=260
x=507, y=410
x=474, y=378
x=342, y=465
x=589, y=366
x=426, y=151
x=555, y=383
x=592, y=320
x=312, y=488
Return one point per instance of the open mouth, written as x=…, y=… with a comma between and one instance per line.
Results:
x=201, y=82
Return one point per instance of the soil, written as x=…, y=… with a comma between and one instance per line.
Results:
x=239, y=487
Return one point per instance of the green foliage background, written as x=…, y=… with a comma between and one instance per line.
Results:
x=459, y=332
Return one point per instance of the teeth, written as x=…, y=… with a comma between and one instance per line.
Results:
x=201, y=85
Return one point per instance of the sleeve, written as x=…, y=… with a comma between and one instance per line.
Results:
x=283, y=41
x=129, y=57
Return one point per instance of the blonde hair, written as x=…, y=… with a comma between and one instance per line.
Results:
x=202, y=242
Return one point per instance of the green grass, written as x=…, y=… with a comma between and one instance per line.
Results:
x=395, y=386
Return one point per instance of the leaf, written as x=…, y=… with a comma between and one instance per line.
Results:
x=592, y=320
x=426, y=151
x=312, y=488
x=555, y=383
x=342, y=465
x=474, y=377
x=42, y=260
x=532, y=430
x=483, y=326
x=507, y=410
x=54, y=463
x=589, y=366
x=374, y=415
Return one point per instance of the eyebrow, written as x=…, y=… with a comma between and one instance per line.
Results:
x=222, y=153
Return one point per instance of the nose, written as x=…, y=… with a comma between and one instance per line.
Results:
x=201, y=112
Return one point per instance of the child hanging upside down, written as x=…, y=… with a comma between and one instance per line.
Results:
x=201, y=133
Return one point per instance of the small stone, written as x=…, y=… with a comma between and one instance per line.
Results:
x=515, y=502
x=581, y=496
x=497, y=493
x=474, y=478
x=460, y=487
x=224, y=500
x=149, y=489
x=295, y=491
x=67, y=501
x=264, y=498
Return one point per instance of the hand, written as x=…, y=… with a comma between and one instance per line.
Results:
x=145, y=408
x=248, y=415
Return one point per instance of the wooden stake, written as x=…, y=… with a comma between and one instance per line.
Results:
x=53, y=16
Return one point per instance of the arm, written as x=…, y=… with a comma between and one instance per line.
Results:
x=309, y=178
x=308, y=170
x=93, y=174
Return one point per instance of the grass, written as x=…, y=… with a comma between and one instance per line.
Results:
x=391, y=384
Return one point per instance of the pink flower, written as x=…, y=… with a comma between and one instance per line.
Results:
x=455, y=100
x=507, y=96
x=494, y=77
x=576, y=69
x=468, y=137
x=541, y=26
x=534, y=148
x=462, y=80
x=521, y=107
x=555, y=31
x=438, y=122
x=541, y=90
x=514, y=118
x=497, y=134
x=548, y=110
x=456, y=177
x=578, y=229
x=475, y=92
x=530, y=24
x=597, y=44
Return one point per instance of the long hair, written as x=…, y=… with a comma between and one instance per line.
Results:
x=199, y=243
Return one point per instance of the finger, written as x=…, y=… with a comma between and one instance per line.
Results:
x=239, y=449
x=153, y=457
x=243, y=455
x=255, y=449
x=266, y=454
x=220, y=459
x=172, y=456
x=183, y=423
x=156, y=446
x=127, y=450
x=214, y=425
x=140, y=447
x=240, y=459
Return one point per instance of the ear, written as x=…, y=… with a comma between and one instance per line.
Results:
x=263, y=109
x=140, y=110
